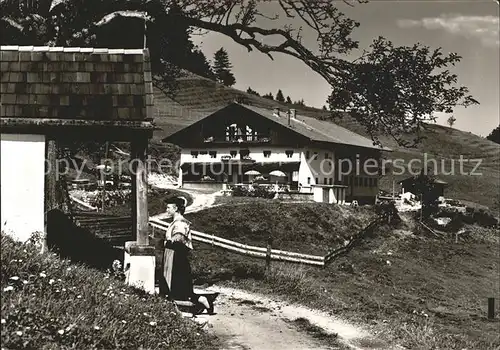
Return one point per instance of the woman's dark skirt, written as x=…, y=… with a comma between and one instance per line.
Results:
x=177, y=281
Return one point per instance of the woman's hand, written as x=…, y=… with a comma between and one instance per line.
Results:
x=177, y=238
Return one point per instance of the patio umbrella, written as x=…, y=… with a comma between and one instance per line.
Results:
x=277, y=173
x=252, y=172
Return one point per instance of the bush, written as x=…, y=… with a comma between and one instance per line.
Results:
x=258, y=191
x=48, y=303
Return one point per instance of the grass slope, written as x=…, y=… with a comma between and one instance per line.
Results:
x=48, y=303
x=421, y=292
x=199, y=96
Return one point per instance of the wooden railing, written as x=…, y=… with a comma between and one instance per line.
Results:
x=82, y=205
x=114, y=229
x=272, y=254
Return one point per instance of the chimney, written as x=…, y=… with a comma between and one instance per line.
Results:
x=293, y=112
x=288, y=117
x=276, y=112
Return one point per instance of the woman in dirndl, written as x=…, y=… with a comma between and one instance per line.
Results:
x=177, y=277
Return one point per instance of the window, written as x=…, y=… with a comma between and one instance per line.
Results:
x=327, y=155
x=375, y=182
x=370, y=182
x=244, y=152
x=289, y=153
x=233, y=154
x=307, y=155
x=213, y=154
x=331, y=181
x=267, y=154
x=325, y=181
x=317, y=181
x=315, y=155
x=365, y=181
x=356, y=181
x=194, y=154
x=308, y=180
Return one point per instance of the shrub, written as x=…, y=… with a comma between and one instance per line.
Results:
x=257, y=192
x=263, y=192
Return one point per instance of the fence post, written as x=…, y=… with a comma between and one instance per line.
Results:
x=268, y=254
x=491, y=308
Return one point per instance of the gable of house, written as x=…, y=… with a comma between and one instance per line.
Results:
x=235, y=121
x=301, y=129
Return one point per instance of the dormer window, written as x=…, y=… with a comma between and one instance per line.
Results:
x=194, y=154
x=289, y=153
x=267, y=154
x=244, y=152
x=213, y=154
x=233, y=154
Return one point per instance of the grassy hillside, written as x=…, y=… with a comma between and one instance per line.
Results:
x=199, y=96
x=48, y=303
x=408, y=287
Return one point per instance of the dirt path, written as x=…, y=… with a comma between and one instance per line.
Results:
x=201, y=201
x=246, y=320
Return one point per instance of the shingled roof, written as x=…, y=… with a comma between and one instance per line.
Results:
x=75, y=83
x=318, y=130
x=313, y=129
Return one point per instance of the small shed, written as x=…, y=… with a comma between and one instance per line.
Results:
x=408, y=185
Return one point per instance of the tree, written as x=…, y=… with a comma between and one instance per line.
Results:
x=222, y=68
x=300, y=102
x=494, y=135
x=269, y=96
x=288, y=100
x=279, y=96
x=425, y=188
x=451, y=120
x=387, y=89
x=252, y=92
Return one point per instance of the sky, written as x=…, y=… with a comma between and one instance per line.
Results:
x=469, y=28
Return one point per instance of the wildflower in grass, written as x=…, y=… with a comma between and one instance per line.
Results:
x=3, y=321
x=57, y=290
x=97, y=328
x=153, y=323
x=51, y=281
x=61, y=331
x=14, y=278
x=64, y=289
x=8, y=289
x=25, y=282
x=123, y=321
x=19, y=333
x=68, y=269
x=43, y=275
x=78, y=296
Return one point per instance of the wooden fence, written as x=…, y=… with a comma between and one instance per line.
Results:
x=81, y=205
x=273, y=254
